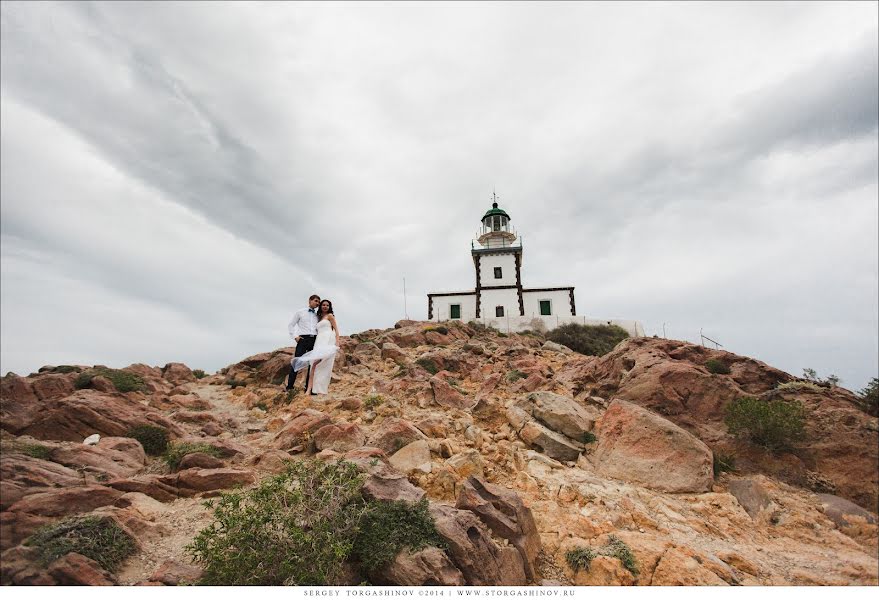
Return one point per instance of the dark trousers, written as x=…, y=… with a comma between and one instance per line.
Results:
x=305, y=343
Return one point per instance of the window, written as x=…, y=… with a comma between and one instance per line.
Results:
x=545, y=307
x=454, y=311
x=498, y=273
x=498, y=311
x=497, y=223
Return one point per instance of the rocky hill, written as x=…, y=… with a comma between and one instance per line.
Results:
x=532, y=457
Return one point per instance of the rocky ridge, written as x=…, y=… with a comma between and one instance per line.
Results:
x=524, y=450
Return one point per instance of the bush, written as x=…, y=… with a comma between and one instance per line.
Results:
x=441, y=329
x=773, y=424
x=389, y=527
x=723, y=463
x=592, y=340
x=123, y=381
x=33, y=450
x=515, y=375
x=153, y=439
x=199, y=374
x=98, y=538
x=869, y=398
x=66, y=369
x=717, y=367
x=296, y=528
x=588, y=437
x=799, y=386
x=234, y=383
x=580, y=558
x=373, y=400
x=175, y=452
x=428, y=365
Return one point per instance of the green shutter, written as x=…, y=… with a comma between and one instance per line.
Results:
x=455, y=311
x=545, y=307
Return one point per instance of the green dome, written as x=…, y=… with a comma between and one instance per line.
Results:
x=494, y=210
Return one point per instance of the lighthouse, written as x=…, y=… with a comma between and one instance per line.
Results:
x=499, y=299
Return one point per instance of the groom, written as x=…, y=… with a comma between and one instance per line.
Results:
x=303, y=329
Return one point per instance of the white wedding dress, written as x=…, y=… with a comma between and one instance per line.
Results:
x=325, y=350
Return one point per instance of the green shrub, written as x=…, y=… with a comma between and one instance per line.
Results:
x=234, y=383
x=799, y=386
x=123, y=381
x=580, y=558
x=428, y=364
x=773, y=424
x=176, y=451
x=373, y=400
x=153, y=439
x=98, y=538
x=389, y=527
x=33, y=450
x=199, y=374
x=717, y=367
x=588, y=437
x=869, y=398
x=723, y=463
x=66, y=369
x=515, y=375
x=441, y=329
x=296, y=528
x=592, y=340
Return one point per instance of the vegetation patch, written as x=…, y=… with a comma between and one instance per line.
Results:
x=66, y=369
x=176, y=451
x=515, y=375
x=591, y=340
x=98, y=538
x=441, y=330
x=723, y=463
x=717, y=367
x=580, y=558
x=773, y=424
x=387, y=528
x=234, y=383
x=33, y=450
x=199, y=374
x=588, y=437
x=153, y=439
x=799, y=386
x=428, y=364
x=373, y=400
x=123, y=381
x=869, y=398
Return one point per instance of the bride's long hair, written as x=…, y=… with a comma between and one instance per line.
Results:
x=320, y=314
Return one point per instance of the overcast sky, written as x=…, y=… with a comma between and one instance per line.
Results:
x=178, y=178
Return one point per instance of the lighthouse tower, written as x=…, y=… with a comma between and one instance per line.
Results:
x=499, y=299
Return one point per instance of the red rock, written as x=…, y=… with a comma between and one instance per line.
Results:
x=393, y=434
x=76, y=569
x=48, y=387
x=174, y=573
x=339, y=438
x=17, y=402
x=447, y=396
x=15, y=527
x=159, y=487
x=98, y=459
x=303, y=424
x=202, y=480
x=640, y=447
x=66, y=501
x=144, y=371
x=23, y=475
x=489, y=385
x=19, y=566
x=435, y=426
x=428, y=566
x=177, y=373
x=102, y=384
x=200, y=460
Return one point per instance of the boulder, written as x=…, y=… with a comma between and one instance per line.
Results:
x=66, y=501
x=467, y=463
x=161, y=487
x=177, y=373
x=76, y=569
x=554, y=347
x=681, y=567
x=751, y=495
x=392, y=351
x=479, y=558
x=428, y=566
x=447, y=396
x=384, y=483
x=199, y=460
x=412, y=457
x=340, y=437
x=561, y=414
x=48, y=387
x=554, y=445
x=393, y=434
x=300, y=427
x=641, y=447
x=172, y=572
x=17, y=526
x=21, y=475
x=203, y=480
x=506, y=515
x=604, y=571
x=842, y=511
x=436, y=426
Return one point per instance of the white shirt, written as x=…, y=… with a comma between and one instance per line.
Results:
x=304, y=323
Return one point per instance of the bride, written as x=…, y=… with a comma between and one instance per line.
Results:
x=320, y=360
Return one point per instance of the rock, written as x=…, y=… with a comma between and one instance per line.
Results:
x=76, y=569
x=300, y=427
x=479, y=558
x=394, y=352
x=49, y=387
x=92, y=439
x=20, y=566
x=640, y=447
x=489, y=385
x=177, y=373
x=21, y=475
x=604, y=571
x=554, y=347
x=531, y=383
x=67, y=501
x=506, y=515
x=552, y=444
x=144, y=506
x=101, y=460
x=125, y=445
x=435, y=426
x=467, y=463
x=841, y=511
x=175, y=573
x=680, y=567
x=203, y=480
x=339, y=438
x=160, y=487
x=447, y=396
x=102, y=384
x=393, y=434
x=354, y=404
x=412, y=457
x=17, y=526
x=199, y=460
x=750, y=494
x=428, y=566
x=561, y=414
x=384, y=483
x=366, y=452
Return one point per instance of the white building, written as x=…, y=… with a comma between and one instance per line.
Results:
x=500, y=300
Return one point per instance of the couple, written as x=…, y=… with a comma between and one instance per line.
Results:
x=317, y=341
